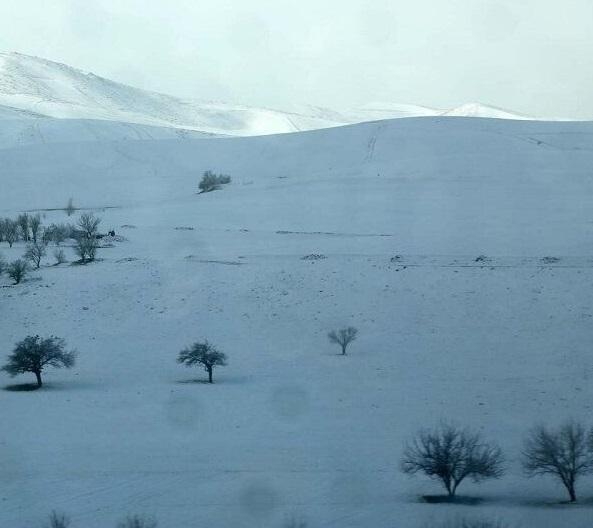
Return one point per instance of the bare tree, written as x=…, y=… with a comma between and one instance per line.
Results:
x=35, y=252
x=3, y=264
x=137, y=521
x=86, y=249
x=35, y=226
x=11, y=231
x=451, y=455
x=565, y=453
x=89, y=224
x=203, y=354
x=58, y=520
x=33, y=354
x=343, y=337
x=17, y=270
x=23, y=224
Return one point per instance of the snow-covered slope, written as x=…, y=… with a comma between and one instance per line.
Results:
x=20, y=132
x=400, y=210
x=34, y=87
x=56, y=90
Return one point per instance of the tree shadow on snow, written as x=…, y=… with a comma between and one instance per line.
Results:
x=445, y=499
x=49, y=386
x=556, y=503
x=21, y=387
x=196, y=381
x=232, y=380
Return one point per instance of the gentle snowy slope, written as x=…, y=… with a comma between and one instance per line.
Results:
x=21, y=132
x=400, y=209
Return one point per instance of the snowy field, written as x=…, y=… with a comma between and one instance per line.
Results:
x=290, y=429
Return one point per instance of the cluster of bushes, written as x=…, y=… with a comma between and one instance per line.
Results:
x=452, y=455
x=29, y=229
x=212, y=182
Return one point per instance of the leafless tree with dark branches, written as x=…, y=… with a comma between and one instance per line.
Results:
x=565, y=453
x=451, y=455
x=89, y=224
x=343, y=337
x=35, y=252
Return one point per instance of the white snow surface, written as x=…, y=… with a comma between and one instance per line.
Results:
x=289, y=428
x=36, y=87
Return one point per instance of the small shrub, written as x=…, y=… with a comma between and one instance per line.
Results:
x=137, y=521
x=550, y=260
x=58, y=520
x=343, y=337
x=60, y=256
x=203, y=354
x=295, y=522
x=56, y=233
x=86, y=249
x=212, y=182
x=17, y=270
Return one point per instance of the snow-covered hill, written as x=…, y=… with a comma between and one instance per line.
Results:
x=400, y=210
x=56, y=90
x=34, y=87
x=481, y=110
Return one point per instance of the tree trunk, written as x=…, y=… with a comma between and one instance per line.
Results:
x=209, y=375
x=38, y=376
x=343, y=350
x=572, y=492
x=449, y=487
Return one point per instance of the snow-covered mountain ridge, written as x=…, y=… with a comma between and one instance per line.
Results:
x=32, y=87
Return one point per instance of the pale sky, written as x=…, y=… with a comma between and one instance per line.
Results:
x=531, y=56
